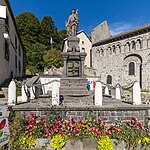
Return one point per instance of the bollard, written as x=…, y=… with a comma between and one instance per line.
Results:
x=12, y=93
x=106, y=90
x=32, y=92
x=118, y=91
x=24, y=91
x=98, y=94
x=136, y=94
x=55, y=94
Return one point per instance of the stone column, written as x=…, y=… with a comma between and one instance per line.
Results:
x=65, y=68
x=82, y=65
x=65, y=56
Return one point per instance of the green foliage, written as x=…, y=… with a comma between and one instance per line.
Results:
x=105, y=143
x=53, y=58
x=35, y=58
x=36, y=37
x=17, y=129
x=29, y=28
x=48, y=30
x=132, y=133
x=58, y=141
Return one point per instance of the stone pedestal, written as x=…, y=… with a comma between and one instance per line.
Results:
x=73, y=59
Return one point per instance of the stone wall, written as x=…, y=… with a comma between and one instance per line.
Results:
x=108, y=114
x=100, y=32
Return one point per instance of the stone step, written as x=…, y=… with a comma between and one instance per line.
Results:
x=71, y=92
x=73, y=88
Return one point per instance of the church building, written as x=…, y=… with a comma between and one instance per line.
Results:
x=122, y=58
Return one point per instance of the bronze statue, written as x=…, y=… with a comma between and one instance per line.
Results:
x=72, y=24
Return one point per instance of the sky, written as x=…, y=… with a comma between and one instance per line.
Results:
x=121, y=15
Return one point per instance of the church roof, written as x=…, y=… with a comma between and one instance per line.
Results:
x=121, y=36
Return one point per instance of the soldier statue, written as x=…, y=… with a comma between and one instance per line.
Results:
x=72, y=24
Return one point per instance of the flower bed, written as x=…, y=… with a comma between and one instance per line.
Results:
x=25, y=132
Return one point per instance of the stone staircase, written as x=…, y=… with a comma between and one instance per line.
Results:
x=74, y=87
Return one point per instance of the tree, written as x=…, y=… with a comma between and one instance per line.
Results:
x=48, y=30
x=29, y=28
x=36, y=37
x=53, y=58
x=62, y=34
x=35, y=58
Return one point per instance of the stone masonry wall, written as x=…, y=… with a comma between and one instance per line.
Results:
x=108, y=115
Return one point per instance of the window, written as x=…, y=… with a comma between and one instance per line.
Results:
x=16, y=61
x=19, y=66
x=139, y=44
x=102, y=52
x=83, y=42
x=127, y=47
x=118, y=48
x=6, y=49
x=109, y=79
x=131, y=68
x=16, y=42
x=19, y=50
x=97, y=53
x=109, y=50
x=114, y=49
x=133, y=45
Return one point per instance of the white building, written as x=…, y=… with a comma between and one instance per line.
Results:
x=12, y=53
x=85, y=45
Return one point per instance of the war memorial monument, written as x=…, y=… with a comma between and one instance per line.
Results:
x=70, y=90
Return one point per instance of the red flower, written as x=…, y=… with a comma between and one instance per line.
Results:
x=80, y=121
x=42, y=119
x=32, y=115
x=101, y=121
x=108, y=132
x=140, y=125
x=134, y=119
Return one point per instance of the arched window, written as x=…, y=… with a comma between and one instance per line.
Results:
x=109, y=79
x=118, y=48
x=97, y=53
x=127, y=47
x=131, y=68
x=109, y=50
x=114, y=49
x=102, y=52
x=133, y=45
x=139, y=44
